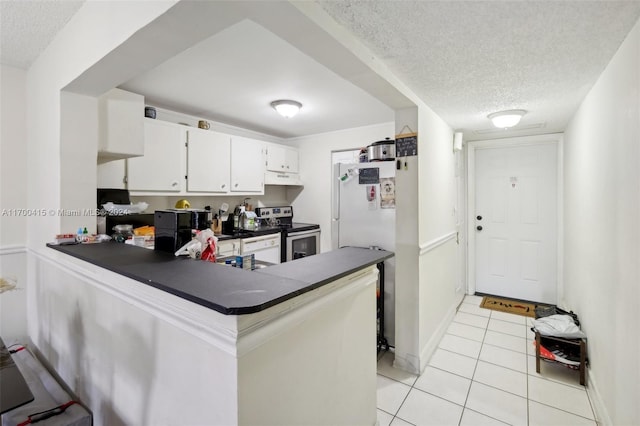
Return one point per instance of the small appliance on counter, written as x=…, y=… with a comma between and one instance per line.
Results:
x=106, y=222
x=173, y=229
x=382, y=150
x=200, y=218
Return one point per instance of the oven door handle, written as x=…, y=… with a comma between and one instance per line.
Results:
x=300, y=233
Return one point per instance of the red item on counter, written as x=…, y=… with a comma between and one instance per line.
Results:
x=209, y=251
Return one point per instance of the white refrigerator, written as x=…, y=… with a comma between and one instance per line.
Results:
x=364, y=215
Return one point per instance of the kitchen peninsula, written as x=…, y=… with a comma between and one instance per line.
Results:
x=289, y=344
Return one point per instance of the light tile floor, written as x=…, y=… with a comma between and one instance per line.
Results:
x=483, y=373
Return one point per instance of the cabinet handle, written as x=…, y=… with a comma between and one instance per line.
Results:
x=223, y=185
x=236, y=185
x=174, y=183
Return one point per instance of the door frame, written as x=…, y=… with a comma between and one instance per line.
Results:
x=472, y=146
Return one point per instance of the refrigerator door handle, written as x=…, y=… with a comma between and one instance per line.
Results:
x=336, y=192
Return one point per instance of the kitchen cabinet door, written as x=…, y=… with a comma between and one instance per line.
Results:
x=112, y=175
x=247, y=165
x=162, y=168
x=291, y=160
x=208, y=166
x=228, y=248
x=282, y=158
x=120, y=125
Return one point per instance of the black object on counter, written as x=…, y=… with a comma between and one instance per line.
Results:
x=172, y=229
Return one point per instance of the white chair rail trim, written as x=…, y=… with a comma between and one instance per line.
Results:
x=437, y=242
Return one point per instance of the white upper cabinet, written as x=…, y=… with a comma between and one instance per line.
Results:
x=112, y=175
x=162, y=168
x=282, y=165
x=120, y=125
x=247, y=165
x=208, y=166
x=282, y=158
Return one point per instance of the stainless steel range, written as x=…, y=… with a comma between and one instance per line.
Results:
x=298, y=239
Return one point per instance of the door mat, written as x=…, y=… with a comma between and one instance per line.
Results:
x=511, y=306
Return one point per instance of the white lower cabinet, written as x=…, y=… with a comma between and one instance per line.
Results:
x=208, y=166
x=162, y=168
x=247, y=165
x=228, y=248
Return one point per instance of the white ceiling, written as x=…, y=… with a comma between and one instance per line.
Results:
x=233, y=76
x=28, y=26
x=464, y=59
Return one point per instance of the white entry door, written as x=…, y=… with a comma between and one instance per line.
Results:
x=516, y=222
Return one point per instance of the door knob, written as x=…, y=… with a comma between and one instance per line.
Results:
x=479, y=217
x=479, y=228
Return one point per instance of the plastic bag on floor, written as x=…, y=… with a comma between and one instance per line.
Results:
x=558, y=326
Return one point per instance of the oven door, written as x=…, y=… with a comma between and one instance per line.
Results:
x=302, y=244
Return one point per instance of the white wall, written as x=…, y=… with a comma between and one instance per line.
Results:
x=426, y=250
x=13, y=195
x=313, y=203
x=78, y=129
x=95, y=30
x=426, y=196
x=13, y=155
x=438, y=256
x=602, y=232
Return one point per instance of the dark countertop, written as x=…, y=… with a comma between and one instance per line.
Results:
x=243, y=233
x=223, y=288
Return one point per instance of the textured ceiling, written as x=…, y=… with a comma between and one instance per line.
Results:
x=467, y=59
x=28, y=26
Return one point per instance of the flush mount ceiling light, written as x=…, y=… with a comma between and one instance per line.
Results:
x=506, y=119
x=286, y=108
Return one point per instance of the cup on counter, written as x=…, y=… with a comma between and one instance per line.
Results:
x=203, y=124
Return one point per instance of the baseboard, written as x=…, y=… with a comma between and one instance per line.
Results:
x=431, y=346
x=599, y=407
x=409, y=362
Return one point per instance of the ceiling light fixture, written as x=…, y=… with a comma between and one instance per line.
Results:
x=506, y=119
x=286, y=108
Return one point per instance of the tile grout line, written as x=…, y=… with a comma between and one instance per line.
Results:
x=474, y=372
x=477, y=359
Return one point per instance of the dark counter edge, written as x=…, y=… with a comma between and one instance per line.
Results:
x=241, y=310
